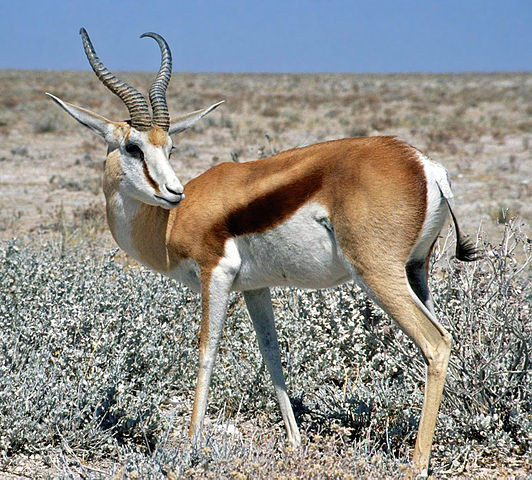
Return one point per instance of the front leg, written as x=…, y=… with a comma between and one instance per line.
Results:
x=260, y=310
x=215, y=287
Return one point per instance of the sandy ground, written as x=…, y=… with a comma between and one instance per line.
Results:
x=478, y=126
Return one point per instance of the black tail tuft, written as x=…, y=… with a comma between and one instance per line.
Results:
x=465, y=250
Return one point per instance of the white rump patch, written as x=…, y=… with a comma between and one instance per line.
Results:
x=437, y=178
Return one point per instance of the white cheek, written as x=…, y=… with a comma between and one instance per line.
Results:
x=134, y=183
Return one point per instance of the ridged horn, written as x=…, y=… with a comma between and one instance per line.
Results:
x=157, y=93
x=135, y=102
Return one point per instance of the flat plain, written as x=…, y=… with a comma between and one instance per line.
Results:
x=479, y=126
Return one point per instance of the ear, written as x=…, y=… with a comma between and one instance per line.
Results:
x=186, y=121
x=95, y=122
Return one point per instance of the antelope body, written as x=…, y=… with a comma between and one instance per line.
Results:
x=362, y=209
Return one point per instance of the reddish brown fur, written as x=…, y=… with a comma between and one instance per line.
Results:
x=380, y=202
x=375, y=192
x=111, y=182
x=205, y=310
x=157, y=136
x=149, y=229
x=357, y=180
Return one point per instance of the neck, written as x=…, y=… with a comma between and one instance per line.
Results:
x=139, y=229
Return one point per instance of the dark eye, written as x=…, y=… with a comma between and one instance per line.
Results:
x=134, y=151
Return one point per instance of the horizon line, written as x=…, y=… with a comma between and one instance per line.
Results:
x=420, y=72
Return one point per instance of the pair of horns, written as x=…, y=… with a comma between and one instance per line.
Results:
x=135, y=102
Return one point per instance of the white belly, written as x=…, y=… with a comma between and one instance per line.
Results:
x=302, y=252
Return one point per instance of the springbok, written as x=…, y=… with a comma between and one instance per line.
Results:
x=362, y=209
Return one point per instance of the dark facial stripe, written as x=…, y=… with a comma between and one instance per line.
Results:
x=149, y=178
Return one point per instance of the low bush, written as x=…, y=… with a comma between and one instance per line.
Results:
x=98, y=360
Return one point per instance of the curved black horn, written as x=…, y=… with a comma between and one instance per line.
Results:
x=135, y=102
x=161, y=117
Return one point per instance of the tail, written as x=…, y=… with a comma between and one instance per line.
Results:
x=465, y=250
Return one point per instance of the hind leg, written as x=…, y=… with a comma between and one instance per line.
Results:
x=417, y=272
x=389, y=282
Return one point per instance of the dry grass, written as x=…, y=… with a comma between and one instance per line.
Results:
x=98, y=363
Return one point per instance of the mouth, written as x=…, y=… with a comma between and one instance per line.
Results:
x=169, y=203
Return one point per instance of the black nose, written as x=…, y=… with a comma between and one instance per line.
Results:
x=171, y=190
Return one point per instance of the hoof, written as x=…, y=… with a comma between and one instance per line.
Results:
x=294, y=441
x=412, y=474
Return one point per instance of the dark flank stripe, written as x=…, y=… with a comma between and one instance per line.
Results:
x=373, y=188
x=274, y=207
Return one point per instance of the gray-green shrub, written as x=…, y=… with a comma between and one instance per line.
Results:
x=91, y=351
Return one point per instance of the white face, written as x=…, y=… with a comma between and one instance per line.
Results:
x=138, y=162
x=147, y=173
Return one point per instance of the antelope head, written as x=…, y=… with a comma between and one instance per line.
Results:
x=139, y=149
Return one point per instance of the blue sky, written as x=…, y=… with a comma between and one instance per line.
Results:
x=272, y=36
